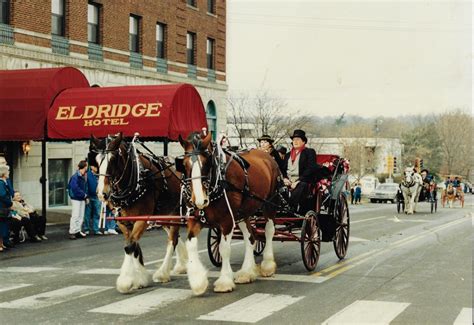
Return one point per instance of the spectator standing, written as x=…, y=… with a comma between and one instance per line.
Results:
x=92, y=211
x=110, y=225
x=358, y=193
x=77, y=193
x=352, y=194
x=5, y=204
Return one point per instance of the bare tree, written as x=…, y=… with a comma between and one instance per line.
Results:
x=239, y=111
x=455, y=132
x=267, y=113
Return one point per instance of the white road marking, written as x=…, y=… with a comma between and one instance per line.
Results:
x=12, y=286
x=144, y=303
x=102, y=271
x=369, y=219
x=29, y=269
x=367, y=312
x=252, y=308
x=353, y=239
x=240, y=242
x=464, y=317
x=216, y=274
x=55, y=297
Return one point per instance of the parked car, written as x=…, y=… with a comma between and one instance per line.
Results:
x=386, y=192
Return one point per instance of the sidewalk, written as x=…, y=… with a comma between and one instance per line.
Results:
x=57, y=215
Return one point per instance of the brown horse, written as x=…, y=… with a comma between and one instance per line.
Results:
x=451, y=194
x=223, y=192
x=136, y=183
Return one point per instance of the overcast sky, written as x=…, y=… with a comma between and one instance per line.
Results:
x=359, y=57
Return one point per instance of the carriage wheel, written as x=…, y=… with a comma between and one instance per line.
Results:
x=213, y=241
x=341, y=240
x=259, y=247
x=310, y=240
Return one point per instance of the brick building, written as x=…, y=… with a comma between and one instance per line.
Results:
x=113, y=42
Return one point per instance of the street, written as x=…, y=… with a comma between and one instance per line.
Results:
x=400, y=269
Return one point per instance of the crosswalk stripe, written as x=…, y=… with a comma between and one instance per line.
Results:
x=103, y=271
x=145, y=302
x=7, y=286
x=366, y=312
x=29, y=269
x=464, y=317
x=55, y=297
x=216, y=274
x=252, y=308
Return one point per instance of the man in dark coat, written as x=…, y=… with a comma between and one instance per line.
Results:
x=266, y=144
x=299, y=168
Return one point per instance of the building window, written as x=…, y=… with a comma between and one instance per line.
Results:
x=210, y=54
x=58, y=17
x=211, y=119
x=93, y=28
x=211, y=6
x=191, y=48
x=4, y=11
x=134, y=34
x=58, y=177
x=191, y=2
x=160, y=40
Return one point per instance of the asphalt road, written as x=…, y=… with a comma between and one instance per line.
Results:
x=399, y=269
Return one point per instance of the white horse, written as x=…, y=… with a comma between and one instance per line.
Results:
x=411, y=188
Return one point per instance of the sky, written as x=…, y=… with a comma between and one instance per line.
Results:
x=366, y=58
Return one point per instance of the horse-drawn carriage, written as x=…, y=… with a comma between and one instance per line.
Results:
x=216, y=188
x=326, y=218
x=413, y=189
x=452, y=191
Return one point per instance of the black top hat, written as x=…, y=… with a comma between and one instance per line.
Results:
x=266, y=137
x=281, y=149
x=299, y=134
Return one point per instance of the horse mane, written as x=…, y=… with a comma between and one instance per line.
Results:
x=196, y=140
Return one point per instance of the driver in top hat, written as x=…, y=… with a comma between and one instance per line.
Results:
x=266, y=144
x=299, y=167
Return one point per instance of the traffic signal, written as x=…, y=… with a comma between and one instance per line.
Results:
x=389, y=163
x=421, y=163
x=394, y=164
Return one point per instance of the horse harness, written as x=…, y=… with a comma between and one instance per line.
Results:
x=217, y=184
x=124, y=193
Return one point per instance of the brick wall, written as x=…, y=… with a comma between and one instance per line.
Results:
x=179, y=18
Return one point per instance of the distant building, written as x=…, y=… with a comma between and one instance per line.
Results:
x=114, y=43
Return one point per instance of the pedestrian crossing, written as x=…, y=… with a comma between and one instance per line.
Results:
x=251, y=308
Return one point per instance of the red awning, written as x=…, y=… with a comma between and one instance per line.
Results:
x=164, y=111
x=25, y=97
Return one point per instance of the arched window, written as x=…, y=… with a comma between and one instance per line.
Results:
x=211, y=115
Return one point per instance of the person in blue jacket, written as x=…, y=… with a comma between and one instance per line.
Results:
x=5, y=204
x=79, y=199
x=92, y=212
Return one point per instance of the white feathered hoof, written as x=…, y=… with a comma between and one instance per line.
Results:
x=179, y=269
x=244, y=276
x=161, y=276
x=199, y=286
x=267, y=268
x=133, y=275
x=224, y=284
x=198, y=280
x=124, y=284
